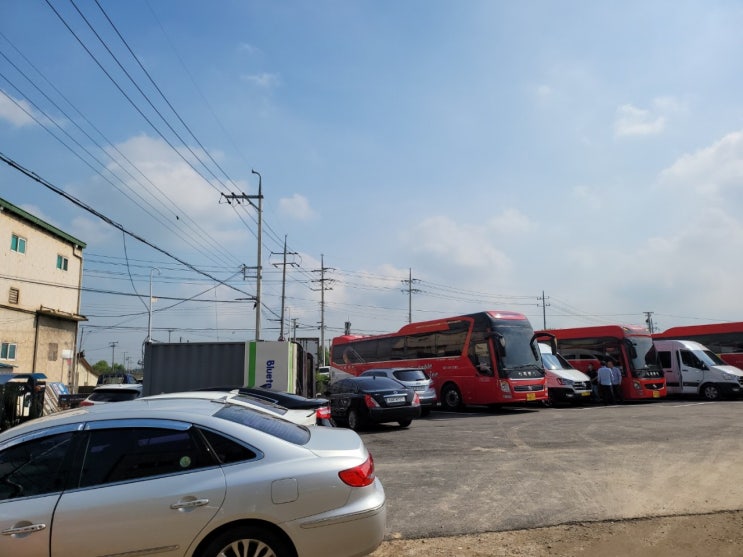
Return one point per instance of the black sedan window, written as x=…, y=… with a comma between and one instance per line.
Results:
x=377, y=383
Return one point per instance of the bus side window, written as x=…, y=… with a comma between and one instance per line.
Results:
x=480, y=357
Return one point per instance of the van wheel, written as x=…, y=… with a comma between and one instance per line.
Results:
x=710, y=391
x=451, y=398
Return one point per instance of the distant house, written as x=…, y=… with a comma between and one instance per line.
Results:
x=41, y=269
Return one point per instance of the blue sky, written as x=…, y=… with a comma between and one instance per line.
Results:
x=495, y=150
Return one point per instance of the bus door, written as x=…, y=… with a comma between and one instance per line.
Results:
x=481, y=356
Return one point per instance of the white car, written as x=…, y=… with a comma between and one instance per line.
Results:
x=187, y=478
x=302, y=416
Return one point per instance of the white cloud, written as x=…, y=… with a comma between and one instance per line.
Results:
x=13, y=113
x=466, y=245
x=266, y=80
x=631, y=120
x=297, y=207
x=711, y=171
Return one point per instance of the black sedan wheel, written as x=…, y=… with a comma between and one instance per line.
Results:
x=354, y=420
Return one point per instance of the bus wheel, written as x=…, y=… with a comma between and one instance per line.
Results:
x=710, y=391
x=451, y=398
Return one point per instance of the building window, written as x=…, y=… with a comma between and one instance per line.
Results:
x=62, y=262
x=17, y=243
x=7, y=351
x=13, y=295
x=53, y=351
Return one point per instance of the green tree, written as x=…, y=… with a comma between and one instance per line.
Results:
x=101, y=366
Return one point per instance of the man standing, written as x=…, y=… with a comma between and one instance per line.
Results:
x=616, y=382
x=605, y=385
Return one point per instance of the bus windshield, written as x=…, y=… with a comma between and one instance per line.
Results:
x=522, y=359
x=644, y=359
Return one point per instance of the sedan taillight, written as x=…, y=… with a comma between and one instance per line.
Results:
x=323, y=413
x=370, y=402
x=359, y=476
x=86, y=403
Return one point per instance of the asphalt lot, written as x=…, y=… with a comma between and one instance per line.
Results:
x=483, y=471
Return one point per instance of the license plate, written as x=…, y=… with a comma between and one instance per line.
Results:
x=531, y=396
x=395, y=399
x=585, y=394
x=656, y=394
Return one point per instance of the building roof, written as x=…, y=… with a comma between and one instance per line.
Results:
x=7, y=206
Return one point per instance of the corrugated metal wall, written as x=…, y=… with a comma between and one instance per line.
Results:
x=173, y=367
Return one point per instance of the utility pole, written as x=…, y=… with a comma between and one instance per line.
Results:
x=544, y=309
x=410, y=290
x=113, y=349
x=149, y=307
x=283, y=285
x=243, y=197
x=649, y=321
x=322, y=280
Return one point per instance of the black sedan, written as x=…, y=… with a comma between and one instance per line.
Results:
x=359, y=401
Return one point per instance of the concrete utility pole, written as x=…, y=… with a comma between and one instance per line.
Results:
x=283, y=285
x=149, y=307
x=649, y=321
x=243, y=197
x=322, y=280
x=113, y=349
x=544, y=309
x=410, y=290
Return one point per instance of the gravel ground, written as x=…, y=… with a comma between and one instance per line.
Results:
x=716, y=534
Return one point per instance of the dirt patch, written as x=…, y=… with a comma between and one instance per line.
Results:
x=717, y=534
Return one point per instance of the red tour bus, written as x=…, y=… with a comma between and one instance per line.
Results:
x=490, y=357
x=724, y=339
x=630, y=347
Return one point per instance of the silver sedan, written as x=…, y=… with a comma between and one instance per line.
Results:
x=193, y=478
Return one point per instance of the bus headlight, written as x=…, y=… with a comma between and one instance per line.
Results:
x=505, y=387
x=636, y=385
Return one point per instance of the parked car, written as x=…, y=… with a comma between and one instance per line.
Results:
x=320, y=406
x=197, y=478
x=313, y=414
x=413, y=378
x=116, y=379
x=359, y=401
x=113, y=393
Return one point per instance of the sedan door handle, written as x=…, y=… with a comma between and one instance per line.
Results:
x=30, y=529
x=185, y=505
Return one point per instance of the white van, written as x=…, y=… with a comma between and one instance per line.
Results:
x=691, y=368
x=564, y=382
